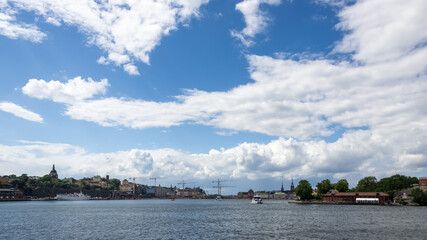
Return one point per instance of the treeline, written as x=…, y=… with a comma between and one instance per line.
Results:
x=28, y=185
x=389, y=185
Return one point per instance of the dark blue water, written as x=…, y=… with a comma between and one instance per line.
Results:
x=207, y=219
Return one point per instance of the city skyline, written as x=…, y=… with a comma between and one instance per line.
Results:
x=259, y=91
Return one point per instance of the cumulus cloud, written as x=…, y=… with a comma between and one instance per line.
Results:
x=20, y=112
x=288, y=158
x=256, y=19
x=73, y=90
x=383, y=30
x=127, y=30
x=381, y=90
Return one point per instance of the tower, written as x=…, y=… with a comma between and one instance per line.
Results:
x=53, y=173
x=292, y=185
x=282, y=189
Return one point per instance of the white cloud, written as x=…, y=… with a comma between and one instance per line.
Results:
x=131, y=69
x=383, y=30
x=127, y=30
x=20, y=112
x=354, y=154
x=302, y=99
x=74, y=90
x=10, y=28
x=256, y=20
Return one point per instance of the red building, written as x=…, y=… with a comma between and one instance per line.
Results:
x=357, y=197
x=7, y=194
x=423, y=180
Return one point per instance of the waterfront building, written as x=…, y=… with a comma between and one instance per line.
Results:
x=264, y=194
x=246, y=195
x=164, y=192
x=147, y=191
x=280, y=195
x=356, y=197
x=126, y=186
x=191, y=193
x=7, y=194
x=53, y=173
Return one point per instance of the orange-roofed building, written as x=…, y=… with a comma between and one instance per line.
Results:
x=356, y=197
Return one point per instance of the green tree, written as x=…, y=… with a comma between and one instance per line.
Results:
x=46, y=178
x=367, y=184
x=304, y=190
x=419, y=196
x=324, y=186
x=395, y=183
x=24, y=178
x=114, y=183
x=20, y=182
x=341, y=185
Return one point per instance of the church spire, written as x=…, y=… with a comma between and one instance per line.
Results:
x=292, y=185
x=282, y=189
x=53, y=173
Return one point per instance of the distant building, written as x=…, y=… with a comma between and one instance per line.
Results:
x=291, y=192
x=7, y=194
x=292, y=185
x=264, y=194
x=69, y=180
x=356, y=197
x=423, y=180
x=4, y=180
x=126, y=186
x=96, y=182
x=53, y=173
x=280, y=195
x=190, y=193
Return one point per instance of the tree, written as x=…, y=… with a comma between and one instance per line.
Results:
x=114, y=183
x=419, y=196
x=324, y=186
x=341, y=185
x=304, y=190
x=46, y=178
x=395, y=183
x=367, y=184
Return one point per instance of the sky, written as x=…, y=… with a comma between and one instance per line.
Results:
x=252, y=92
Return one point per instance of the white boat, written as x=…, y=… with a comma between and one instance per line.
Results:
x=72, y=197
x=256, y=200
x=218, y=198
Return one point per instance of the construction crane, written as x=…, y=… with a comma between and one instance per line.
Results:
x=155, y=180
x=183, y=183
x=134, y=184
x=219, y=186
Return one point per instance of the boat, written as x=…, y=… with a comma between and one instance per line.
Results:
x=72, y=197
x=218, y=198
x=256, y=200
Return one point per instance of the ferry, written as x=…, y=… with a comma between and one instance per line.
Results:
x=72, y=197
x=257, y=200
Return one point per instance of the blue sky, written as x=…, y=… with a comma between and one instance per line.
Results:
x=258, y=91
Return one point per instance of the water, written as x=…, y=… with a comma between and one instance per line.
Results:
x=207, y=219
